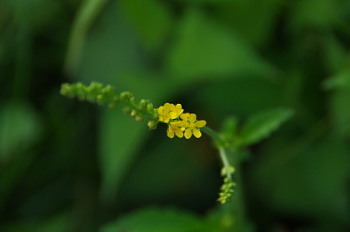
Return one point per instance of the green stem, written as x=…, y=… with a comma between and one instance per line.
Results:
x=223, y=157
x=214, y=135
x=238, y=206
x=86, y=15
x=224, y=160
x=219, y=143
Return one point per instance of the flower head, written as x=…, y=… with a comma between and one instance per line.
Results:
x=192, y=125
x=169, y=112
x=180, y=124
x=176, y=128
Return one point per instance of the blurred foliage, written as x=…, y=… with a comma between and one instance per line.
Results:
x=69, y=166
x=168, y=221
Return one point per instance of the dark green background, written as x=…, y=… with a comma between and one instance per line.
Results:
x=72, y=166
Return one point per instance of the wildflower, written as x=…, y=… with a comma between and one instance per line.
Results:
x=176, y=128
x=169, y=112
x=192, y=125
x=227, y=189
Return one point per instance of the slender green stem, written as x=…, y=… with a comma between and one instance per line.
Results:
x=219, y=143
x=223, y=157
x=86, y=15
x=225, y=162
x=214, y=135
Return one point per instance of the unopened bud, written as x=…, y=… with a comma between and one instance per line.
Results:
x=143, y=103
x=138, y=118
x=133, y=113
x=125, y=96
x=150, y=107
x=152, y=125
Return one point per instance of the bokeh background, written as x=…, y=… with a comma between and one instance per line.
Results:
x=72, y=166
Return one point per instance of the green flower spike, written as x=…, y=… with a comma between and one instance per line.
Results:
x=227, y=188
x=105, y=95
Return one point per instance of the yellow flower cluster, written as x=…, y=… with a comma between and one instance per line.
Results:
x=179, y=123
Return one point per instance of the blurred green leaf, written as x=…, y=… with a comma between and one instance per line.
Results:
x=228, y=218
x=120, y=137
x=229, y=129
x=340, y=112
x=86, y=15
x=237, y=96
x=310, y=182
x=206, y=1
x=184, y=173
x=335, y=53
x=205, y=48
x=315, y=13
x=339, y=96
x=111, y=53
x=19, y=127
x=152, y=20
x=160, y=220
x=238, y=16
x=262, y=124
x=58, y=223
x=338, y=81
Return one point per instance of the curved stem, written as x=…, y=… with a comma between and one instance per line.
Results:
x=219, y=142
x=215, y=136
x=86, y=15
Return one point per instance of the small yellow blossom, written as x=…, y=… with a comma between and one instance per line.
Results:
x=192, y=125
x=176, y=128
x=169, y=112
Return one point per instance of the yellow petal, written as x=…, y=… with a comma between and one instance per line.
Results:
x=192, y=117
x=170, y=133
x=166, y=119
x=188, y=133
x=197, y=133
x=172, y=115
x=200, y=123
x=179, y=133
x=185, y=116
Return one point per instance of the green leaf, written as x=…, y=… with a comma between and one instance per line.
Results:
x=160, y=220
x=339, y=112
x=238, y=15
x=152, y=20
x=120, y=137
x=214, y=2
x=339, y=97
x=86, y=16
x=335, y=53
x=307, y=181
x=315, y=13
x=229, y=129
x=19, y=127
x=340, y=80
x=112, y=52
x=206, y=48
x=56, y=223
x=263, y=124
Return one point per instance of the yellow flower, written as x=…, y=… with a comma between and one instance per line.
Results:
x=192, y=125
x=176, y=128
x=169, y=111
